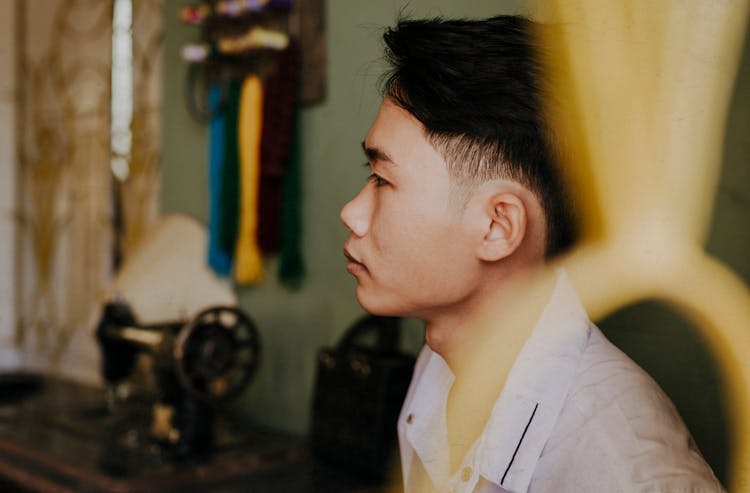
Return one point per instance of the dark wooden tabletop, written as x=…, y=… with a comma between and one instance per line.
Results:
x=56, y=436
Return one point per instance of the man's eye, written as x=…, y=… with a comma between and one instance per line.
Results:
x=377, y=180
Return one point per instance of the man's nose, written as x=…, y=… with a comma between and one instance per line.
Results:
x=356, y=213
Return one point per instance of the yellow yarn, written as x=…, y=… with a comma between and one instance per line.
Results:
x=248, y=259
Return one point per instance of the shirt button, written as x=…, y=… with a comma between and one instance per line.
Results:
x=466, y=474
x=410, y=419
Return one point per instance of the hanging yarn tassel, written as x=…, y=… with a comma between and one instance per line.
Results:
x=291, y=265
x=280, y=90
x=248, y=259
x=219, y=259
x=230, y=188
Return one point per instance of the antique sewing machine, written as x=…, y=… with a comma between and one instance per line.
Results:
x=174, y=350
x=194, y=364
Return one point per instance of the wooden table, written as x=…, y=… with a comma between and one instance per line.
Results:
x=60, y=439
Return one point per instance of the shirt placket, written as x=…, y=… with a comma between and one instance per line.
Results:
x=465, y=479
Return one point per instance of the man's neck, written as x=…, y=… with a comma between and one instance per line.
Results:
x=503, y=313
x=481, y=347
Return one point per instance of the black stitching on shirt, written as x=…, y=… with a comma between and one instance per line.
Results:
x=519, y=444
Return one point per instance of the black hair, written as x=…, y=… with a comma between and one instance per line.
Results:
x=477, y=87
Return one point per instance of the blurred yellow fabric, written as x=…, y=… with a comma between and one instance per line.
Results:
x=641, y=95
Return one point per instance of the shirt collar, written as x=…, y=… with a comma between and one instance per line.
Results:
x=526, y=411
x=425, y=414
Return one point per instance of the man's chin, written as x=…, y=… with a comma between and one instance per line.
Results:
x=378, y=307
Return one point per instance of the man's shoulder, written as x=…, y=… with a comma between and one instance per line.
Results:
x=608, y=377
x=617, y=425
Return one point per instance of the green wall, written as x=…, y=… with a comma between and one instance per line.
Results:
x=294, y=324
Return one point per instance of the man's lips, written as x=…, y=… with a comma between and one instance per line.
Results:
x=353, y=265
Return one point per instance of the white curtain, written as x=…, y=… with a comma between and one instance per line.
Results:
x=66, y=206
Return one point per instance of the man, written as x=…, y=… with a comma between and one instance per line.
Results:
x=461, y=217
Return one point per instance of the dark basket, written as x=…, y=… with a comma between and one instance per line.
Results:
x=359, y=391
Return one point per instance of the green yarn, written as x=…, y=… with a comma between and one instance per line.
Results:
x=291, y=265
x=230, y=183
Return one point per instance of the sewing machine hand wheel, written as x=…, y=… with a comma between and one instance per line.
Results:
x=217, y=353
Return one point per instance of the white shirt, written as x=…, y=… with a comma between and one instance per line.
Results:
x=575, y=415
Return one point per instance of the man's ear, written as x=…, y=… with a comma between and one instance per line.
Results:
x=505, y=226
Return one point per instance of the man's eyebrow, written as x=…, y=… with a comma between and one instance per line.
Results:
x=376, y=154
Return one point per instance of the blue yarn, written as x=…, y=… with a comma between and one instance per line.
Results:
x=219, y=259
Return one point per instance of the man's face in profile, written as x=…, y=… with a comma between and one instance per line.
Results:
x=407, y=246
